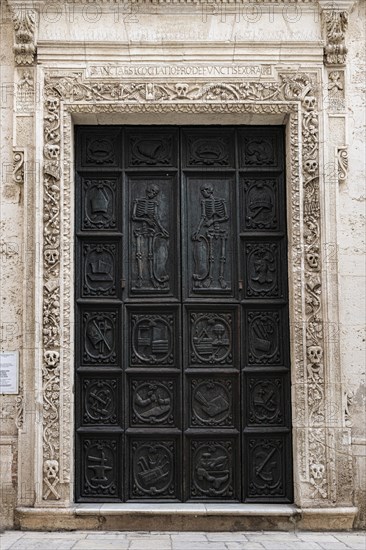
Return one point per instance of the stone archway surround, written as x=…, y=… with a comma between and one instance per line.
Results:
x=322, y=463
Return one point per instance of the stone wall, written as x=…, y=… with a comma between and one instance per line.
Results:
x=11, y=270
x=351, y=250
x=224, y=43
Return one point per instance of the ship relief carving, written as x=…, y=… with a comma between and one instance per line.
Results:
x=99, y=204
x=212, y=469
x=100, y=401
x=210, y=242
x=153, y=469
x=152, y=339
x=100, y=151
x=211, y=402
x=262, y=262
x=99, y=337
x=151, y=151
x=259, y=152
x=260, y=204
x=100, y=460
x=152, y=402
x=264, y=342
x=211, y=338
x=151, y=241
x=266, y=467
x=99, y=270
x=208, y=151
x=265, y=398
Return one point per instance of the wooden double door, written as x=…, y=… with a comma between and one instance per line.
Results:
x=182, y=375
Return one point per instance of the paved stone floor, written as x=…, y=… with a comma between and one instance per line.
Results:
x=249, y=540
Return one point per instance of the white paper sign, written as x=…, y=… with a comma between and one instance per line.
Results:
x=9, y=372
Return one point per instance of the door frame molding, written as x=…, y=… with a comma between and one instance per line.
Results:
x=322, y=461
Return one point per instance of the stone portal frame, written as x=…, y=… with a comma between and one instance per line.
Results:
x=322, y=463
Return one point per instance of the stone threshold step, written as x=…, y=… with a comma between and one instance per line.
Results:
x=184, y=517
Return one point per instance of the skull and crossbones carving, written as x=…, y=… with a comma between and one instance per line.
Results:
x=51, y=479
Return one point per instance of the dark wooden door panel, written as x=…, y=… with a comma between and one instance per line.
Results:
x=182, y=377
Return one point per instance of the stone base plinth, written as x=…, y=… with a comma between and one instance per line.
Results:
x=185, y=517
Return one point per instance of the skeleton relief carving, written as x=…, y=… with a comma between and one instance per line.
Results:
x=210, y=240
x=151, y=242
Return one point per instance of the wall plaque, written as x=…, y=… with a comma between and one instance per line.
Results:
x=9, y=372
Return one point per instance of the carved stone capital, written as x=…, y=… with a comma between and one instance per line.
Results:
x=25, y=23
x=335, y=24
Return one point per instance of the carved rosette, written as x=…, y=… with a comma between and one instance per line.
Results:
x=335, y=50
x=24, y=27
x=81, y=95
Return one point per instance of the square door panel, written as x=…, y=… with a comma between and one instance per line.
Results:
x=261, y=149
x=213, y=147
x=100, y=467
x=101, y=400
x=148, y=147
x=99, y=340
x=259, y=203
x=263, y=269
x=212, y=333
x=213, y=401
x=100, y=148
x=214, y=471
x=264, y=333
x=153, y=337
x=154, y=401
x=155, y=468
x=100, y=198
x=266, y=399
x=100, y=268
x=266, y=472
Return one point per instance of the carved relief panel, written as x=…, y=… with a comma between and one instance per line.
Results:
x=210, y=242
x=153, y=242
x=154, y=468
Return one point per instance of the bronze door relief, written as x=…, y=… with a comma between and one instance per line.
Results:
x=182, y=375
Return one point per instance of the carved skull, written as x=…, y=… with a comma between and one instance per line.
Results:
x=315, y=354
x=311, y=166
x=52, y=151
x=52, y=103
x=51, y=469
x=51, y=357
x=312, y=259
x=181, y=89
x=51, y=256
x=317, y=470
x=309, y=103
